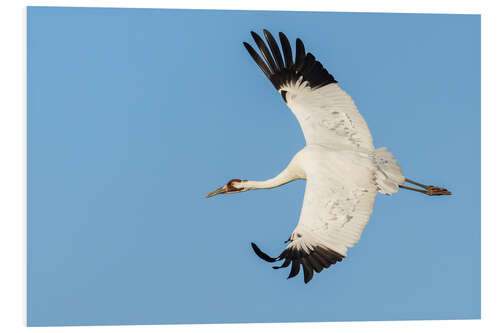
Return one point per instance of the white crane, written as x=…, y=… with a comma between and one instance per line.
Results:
x=342, y=168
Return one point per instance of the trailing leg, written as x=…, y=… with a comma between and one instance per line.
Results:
x=426, y=189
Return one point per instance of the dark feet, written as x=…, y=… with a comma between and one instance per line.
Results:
x=426, y=189
x=434, y=190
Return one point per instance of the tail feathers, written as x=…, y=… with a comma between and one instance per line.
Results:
x=388, y=175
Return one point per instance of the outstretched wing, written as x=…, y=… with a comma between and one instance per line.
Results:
x=334, y=213
x=326, y=113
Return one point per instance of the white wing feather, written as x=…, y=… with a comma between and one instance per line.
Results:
x=334, y=215
x=328, y=116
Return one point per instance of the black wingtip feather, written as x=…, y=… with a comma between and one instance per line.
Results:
x=308, y=271
x=316, y=260
x=265, y=52
x=295, y=269
x=285, y=264
x=287, y=50
x=300, y=52
x=258, y=60
x=281, y=70
x=261, y=254
x=320, y=260
x=275, y=50
x=315, y=264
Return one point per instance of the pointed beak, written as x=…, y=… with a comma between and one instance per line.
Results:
x=220, y=190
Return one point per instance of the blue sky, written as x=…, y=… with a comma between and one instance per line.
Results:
x=135, y=114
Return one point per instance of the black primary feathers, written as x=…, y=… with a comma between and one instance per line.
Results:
x=281, y=72
x=314, y=261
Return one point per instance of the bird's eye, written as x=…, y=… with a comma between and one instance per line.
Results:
x=231, y=184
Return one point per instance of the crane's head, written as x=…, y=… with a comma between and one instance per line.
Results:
x=233, y=186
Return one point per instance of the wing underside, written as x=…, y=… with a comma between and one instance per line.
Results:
x=326, y=113
x=333, y=217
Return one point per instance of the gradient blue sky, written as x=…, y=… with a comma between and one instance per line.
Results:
x=135, y=114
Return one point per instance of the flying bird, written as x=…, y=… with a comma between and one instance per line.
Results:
x=342, y=168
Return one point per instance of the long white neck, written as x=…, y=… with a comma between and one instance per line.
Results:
x=283, y=178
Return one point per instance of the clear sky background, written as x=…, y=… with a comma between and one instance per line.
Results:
x=134, y=115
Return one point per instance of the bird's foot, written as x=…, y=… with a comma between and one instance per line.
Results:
x=434, y=190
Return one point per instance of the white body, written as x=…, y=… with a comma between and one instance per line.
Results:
x=341, y=166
